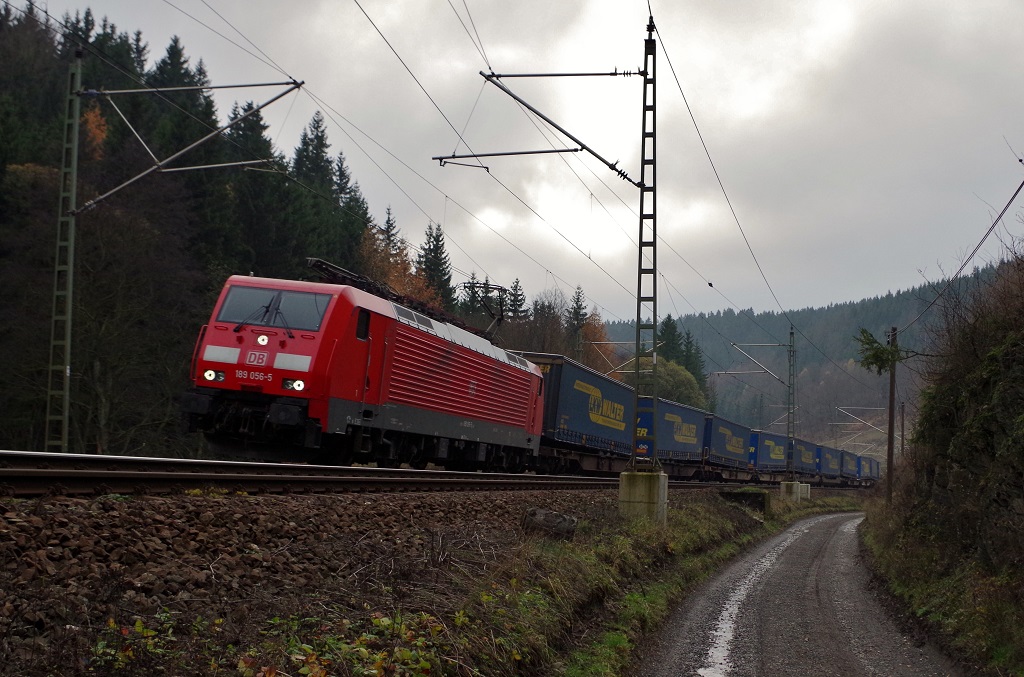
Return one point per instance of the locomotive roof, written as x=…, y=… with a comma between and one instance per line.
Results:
x=395, y=311
x=277, y=283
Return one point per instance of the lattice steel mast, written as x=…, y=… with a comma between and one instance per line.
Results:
x=645, y=442
x=58, y=388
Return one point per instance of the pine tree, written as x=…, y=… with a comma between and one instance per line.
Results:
x=693, y=360
x=32, y=84
x=576, y=314
x=261, y=200
x=190, y=116
x=355, y=221
x=469, y=297
x=389, y=233
x=434, y=265
x=516, y=309
x=311, y=164
x=385, y=258
x=317, y=213
x=670, y=341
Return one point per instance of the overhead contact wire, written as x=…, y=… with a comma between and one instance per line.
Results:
x=498, y=181
x=736, y=218
x=956, y=275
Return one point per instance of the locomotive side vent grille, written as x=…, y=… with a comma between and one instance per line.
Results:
x=414, y=319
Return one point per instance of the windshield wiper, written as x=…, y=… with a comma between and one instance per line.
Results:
x=259, y=312
x=284, y=323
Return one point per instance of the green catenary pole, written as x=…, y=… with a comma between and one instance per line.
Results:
x=58, y=391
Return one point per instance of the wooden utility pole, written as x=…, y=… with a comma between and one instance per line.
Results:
x=791, y=407
x=892, y=415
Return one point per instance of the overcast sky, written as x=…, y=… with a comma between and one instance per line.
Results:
x=865, y=146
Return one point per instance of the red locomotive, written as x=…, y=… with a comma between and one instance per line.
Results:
x=335, y=373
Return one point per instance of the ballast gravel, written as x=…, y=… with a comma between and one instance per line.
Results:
x=68, y=565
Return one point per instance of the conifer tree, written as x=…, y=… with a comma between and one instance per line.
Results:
x=434, y=265
x=516, y=308
x=469, y=296
x=311, y=164
x=261, y=201
x=389, y=233
x=192, y=115
x=32, y=84
x=576, y=313
x=317, y=216
x=384, y=257
x=575, y=316
x=693, y=360
x=355, y=221
x=670, y=341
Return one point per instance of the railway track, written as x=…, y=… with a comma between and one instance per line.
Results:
x=27, y=473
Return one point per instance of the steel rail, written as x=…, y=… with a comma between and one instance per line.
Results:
x=39, y=473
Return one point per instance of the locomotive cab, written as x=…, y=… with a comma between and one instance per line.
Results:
x=253, y=368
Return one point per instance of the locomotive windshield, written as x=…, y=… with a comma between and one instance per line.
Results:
x=274, y=308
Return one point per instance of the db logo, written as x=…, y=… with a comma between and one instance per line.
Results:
x=257, y=358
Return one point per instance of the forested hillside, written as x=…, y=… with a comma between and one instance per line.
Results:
x=827, y=374
x=152, y=257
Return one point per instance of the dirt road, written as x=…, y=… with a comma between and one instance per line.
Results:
x=799, y=604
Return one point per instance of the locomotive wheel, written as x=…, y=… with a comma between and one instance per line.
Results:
x=415, y=456
x=332, y=457
x=514, y=466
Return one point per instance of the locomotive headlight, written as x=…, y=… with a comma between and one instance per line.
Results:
x=262, y=339
x=294, y=384
x=209, y=374
x=299, y=385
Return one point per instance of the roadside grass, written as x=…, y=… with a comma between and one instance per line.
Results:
x=576, y=607
x=704, y=540
x=975, y=612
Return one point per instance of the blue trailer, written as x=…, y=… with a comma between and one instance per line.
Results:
x=769, y=451
x=583, y=407
x=725, y=447
x=805, y=458
x=680, y=431
x=828, y=463
x=849, y=468
x=869, y=470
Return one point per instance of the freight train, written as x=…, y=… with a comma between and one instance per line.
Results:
x=345, y=371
